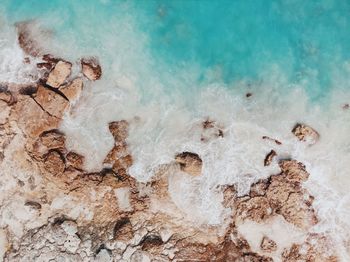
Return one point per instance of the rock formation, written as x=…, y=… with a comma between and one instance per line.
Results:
x=306, y=134
x=51, y=208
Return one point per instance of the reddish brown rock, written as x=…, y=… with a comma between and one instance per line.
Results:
x=190, y=163
x=75, y=160
x=72, y=90
x=41, y=121
x=59, y=74
x=91, y=68
x=256, y=208
x=268, y=245
x=54, y=162
x=269, y=158
x=119, y=157
x=53, y=103
x=53, y=139
x=294, y=170
x=306, y=134
x=119, y=130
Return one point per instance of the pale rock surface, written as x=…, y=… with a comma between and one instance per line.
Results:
x=59, y=74
x=306, y=134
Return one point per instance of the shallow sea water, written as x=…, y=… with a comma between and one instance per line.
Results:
x=173, y=64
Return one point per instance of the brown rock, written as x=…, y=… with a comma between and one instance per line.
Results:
x=53, y=103
x=119, y=130
x=296, y=211
x=53, y=139
x=256, y=208
x=91, y=68
x=59, y=74
x=41, y=121
x=268, y=245
x=306, y=134
x=269, y=157
x=294, y=170
x=72, y=90
x=75, y=160
x=259, y=188
x=54, y=162
x=190, y=163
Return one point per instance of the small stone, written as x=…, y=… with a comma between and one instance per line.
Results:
x=268, y=245
x=72, y=90
x=306, y=134
x=190, y=163
x=269, y=157
x=59, y=74
x=91, y=68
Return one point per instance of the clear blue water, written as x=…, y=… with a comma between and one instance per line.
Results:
x=306, y=39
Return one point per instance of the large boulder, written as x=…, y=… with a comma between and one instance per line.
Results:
x=190, y=163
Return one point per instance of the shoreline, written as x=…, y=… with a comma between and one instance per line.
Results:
x=109, y=213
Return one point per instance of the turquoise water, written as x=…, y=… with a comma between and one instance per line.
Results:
x=307, y=40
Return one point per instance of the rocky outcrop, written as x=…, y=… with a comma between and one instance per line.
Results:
x=91, y=68
x=53, y=209
x=190, y=163
x=306, y=134
x=281, y=194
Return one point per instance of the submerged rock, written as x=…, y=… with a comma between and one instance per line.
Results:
x=268, y=245
x=306, y=134
x=59, y=74
x=91, y=68
x=190, y=163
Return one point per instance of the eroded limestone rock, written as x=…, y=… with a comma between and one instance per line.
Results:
x=306, y=134
x=53, y=103
x=59, y=74
x=268, y=245
x=72, y=90
x=190, y=163
x=91, y=68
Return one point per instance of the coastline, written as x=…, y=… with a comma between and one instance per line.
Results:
x=50, y=199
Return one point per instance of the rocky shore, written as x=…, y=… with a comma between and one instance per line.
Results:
x=52, y=209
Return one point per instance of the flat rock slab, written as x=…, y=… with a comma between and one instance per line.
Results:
x=59, y=74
